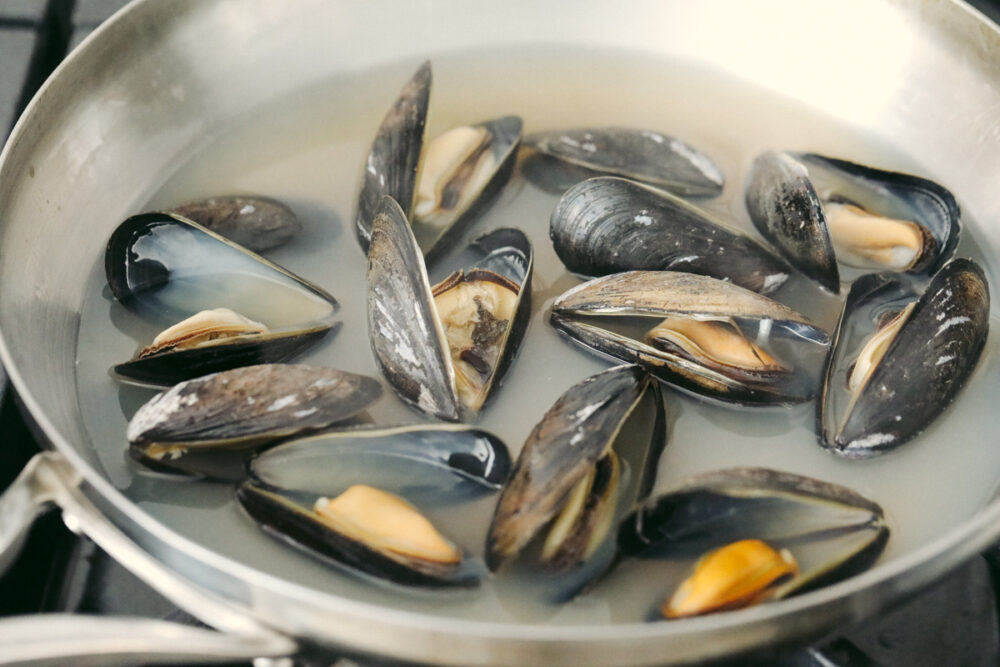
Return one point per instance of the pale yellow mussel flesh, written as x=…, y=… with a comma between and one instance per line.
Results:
x=720, y=343
x=475, y=314
x=457, y=166
x=867, y=240
x=873, y=350
x=387, y=522
x=201, y=329
x=586, y=517
x=737, y=575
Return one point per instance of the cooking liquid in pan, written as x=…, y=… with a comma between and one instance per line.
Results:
x=309, y=151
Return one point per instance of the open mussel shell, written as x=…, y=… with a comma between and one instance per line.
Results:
x=245, y=407
x=391, y=167
x=611, y=315
x=833, y=532
x=256, y=223
x=592, y=456
x=610, y=225
x=166, y=269
x=415, y=332
x=462, y=172
x=922, y=366
x=379, y=551
x=485, y=310
x=819, y=211
x=454, y=461
x=641, y=155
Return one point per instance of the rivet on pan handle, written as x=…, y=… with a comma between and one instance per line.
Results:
x=58, y=639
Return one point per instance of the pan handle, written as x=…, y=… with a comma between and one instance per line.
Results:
x=50, y=481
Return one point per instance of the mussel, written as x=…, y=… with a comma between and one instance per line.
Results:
x=471, y=323
x=736, y=575
x=369, y=526
x=369, y=530
x=442, y=184
x=590, y=458
x=819, y=211
x=463, y=170
x=243, y=408
x=897, y=361
x=609, y=225
x=256, y=223
x=705, y=336
x=220, y=306
x=834, y=532
x=641, y=155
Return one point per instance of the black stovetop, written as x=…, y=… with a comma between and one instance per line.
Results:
x=955, y=622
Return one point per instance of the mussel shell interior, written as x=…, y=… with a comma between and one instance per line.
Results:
x=506, y=252
x=167, y=268
x=504, y=137
x=871, y=299
x=892, y=194
x=425, y=464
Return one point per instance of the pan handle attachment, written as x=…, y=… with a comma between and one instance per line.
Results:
x=58, y=639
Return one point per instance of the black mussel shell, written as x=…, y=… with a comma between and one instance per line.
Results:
x=403, y=327
x=391, y=168
x=641, y=155
x=609, y=225
x=256, y=223
x=923, y=369
x=249, y=406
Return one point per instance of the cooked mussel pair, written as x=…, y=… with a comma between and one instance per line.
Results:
x=443, y=349
x=820, y=212
x=351, y=498
x=439, y=185
x=217, y=305
x=900, y=356
x=758, y=534
x=585, y=464
x=210, y=427
x=705, y=336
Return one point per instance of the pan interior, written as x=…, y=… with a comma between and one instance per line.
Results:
x=307, y=149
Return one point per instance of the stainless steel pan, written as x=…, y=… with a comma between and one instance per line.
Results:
x=138, y=97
